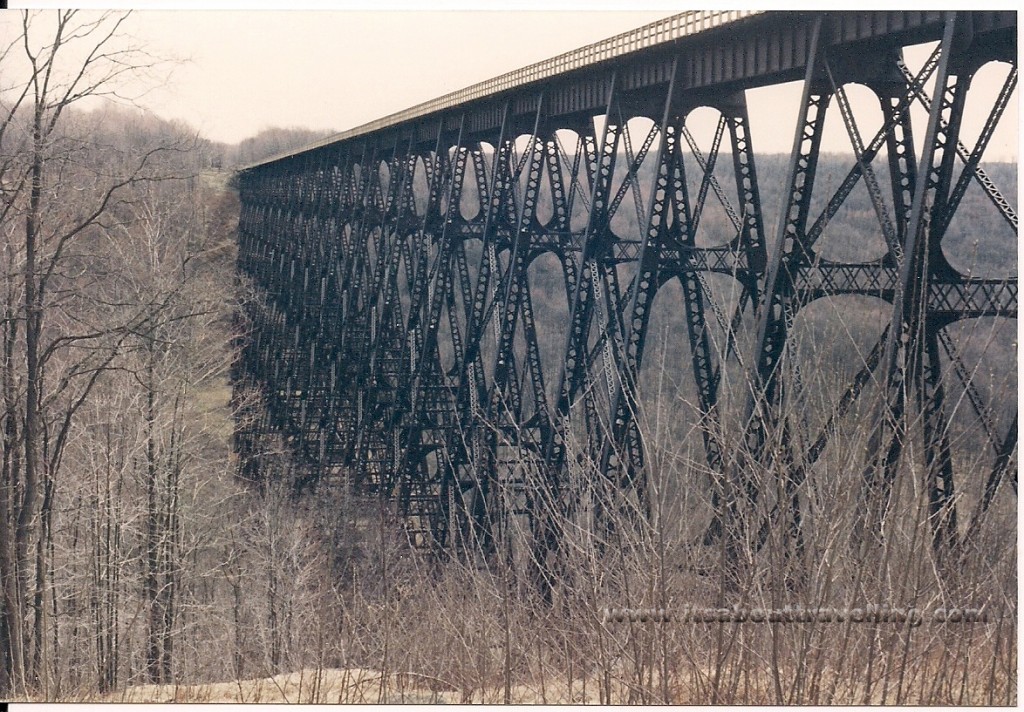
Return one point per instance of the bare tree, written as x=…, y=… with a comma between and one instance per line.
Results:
x=60, y=192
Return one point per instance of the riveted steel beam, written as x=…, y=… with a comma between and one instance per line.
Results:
x=399, y=340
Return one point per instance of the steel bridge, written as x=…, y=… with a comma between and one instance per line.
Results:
x=453, y=304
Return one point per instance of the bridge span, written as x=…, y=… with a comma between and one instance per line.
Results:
x=456, y=307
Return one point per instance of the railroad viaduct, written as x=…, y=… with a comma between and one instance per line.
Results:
x=453, y=304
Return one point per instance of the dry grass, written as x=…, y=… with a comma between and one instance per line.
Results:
x=346, y=686
x=931, y=678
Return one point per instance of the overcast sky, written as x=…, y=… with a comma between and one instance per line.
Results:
x=321, y=69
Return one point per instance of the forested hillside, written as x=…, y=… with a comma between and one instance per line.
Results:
x=125, y=541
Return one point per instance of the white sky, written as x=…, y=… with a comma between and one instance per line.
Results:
x=322, y=69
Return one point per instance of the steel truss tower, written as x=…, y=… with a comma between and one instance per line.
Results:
x=395, y=341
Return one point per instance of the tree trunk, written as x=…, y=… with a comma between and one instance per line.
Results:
x=26, y=509
x=171, y=549
x=8, y=488
x=39, y=662
x=12, y=673
x=151, y=576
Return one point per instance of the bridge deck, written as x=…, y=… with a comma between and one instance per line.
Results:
x=748, y=48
